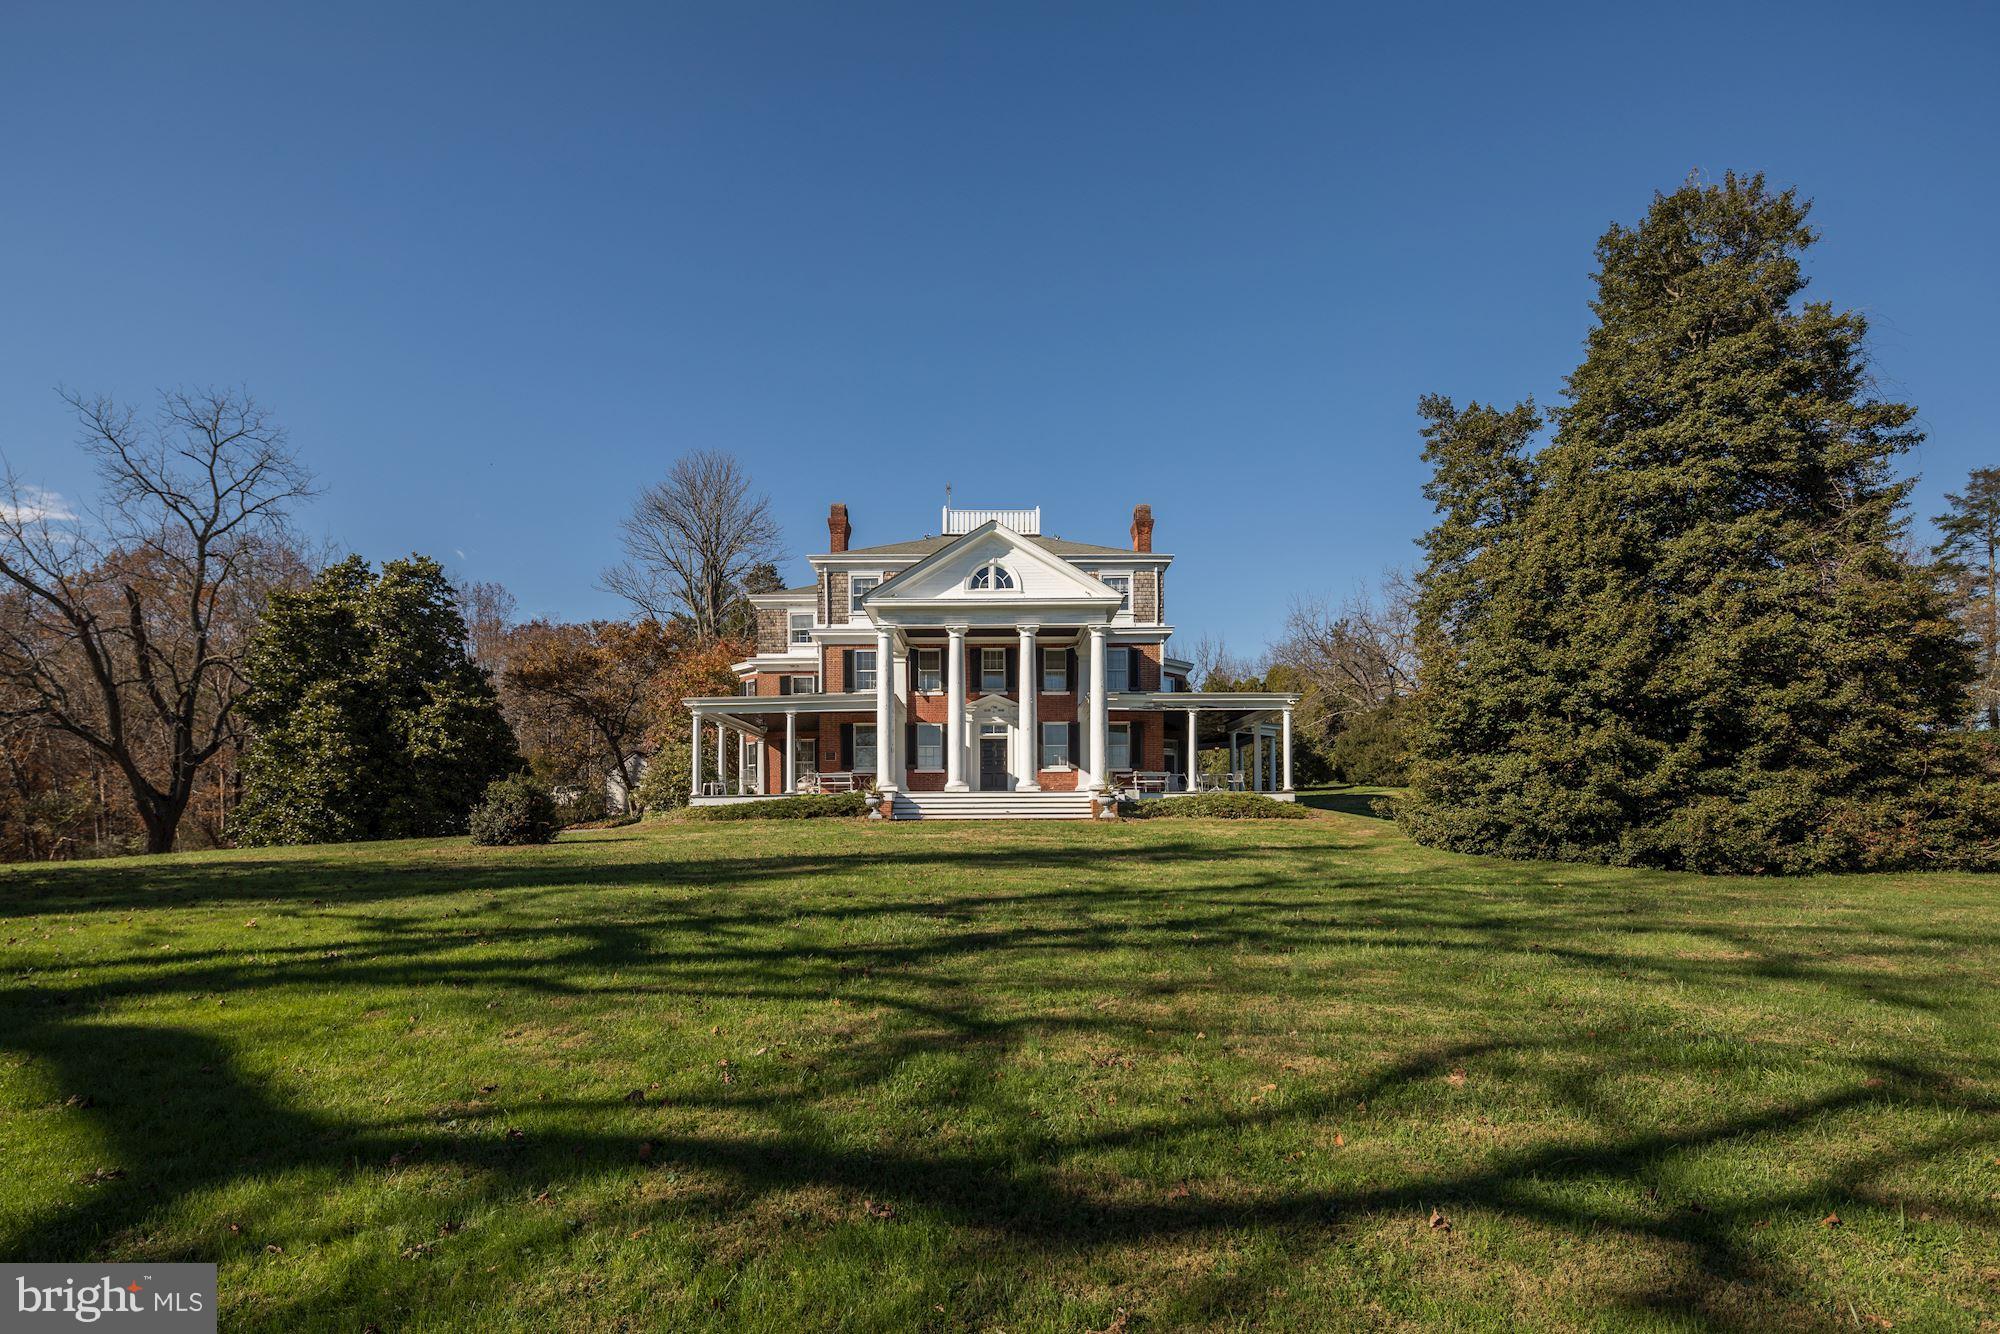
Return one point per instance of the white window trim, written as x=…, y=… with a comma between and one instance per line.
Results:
x=811, y=680
x=854, y=762
x=1002, y=687
x=916, y=765
x=1067, y=762
x=1062, y=657
x=1115, y=729
x=1119, y=653
x=854, y=598
x=920, y=655
x=855, y=686
x=793, y=628
x=995, y=568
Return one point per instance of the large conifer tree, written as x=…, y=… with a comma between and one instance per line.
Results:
x=370, y=720
x=1699, y=639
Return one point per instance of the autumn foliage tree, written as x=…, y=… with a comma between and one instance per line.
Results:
x=598, y=675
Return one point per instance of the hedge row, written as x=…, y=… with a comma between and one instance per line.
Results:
x=829, y=805
x=1217, y=806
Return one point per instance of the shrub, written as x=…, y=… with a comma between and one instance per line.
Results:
x=1218, y=806
x=664, y=785
x=830, y=805
x=515, y=810
x=1371, y=749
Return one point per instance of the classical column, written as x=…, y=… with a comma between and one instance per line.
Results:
x=1100, y=711
x=694, y=757
x=742, y=764
x=791, y=769
x=1235, y=751
x=1189, y=763
x=1257, y=758
x=885, y=711
x=1288, y=749
x=721, y=762
x=1029, y=679
x=954, y=714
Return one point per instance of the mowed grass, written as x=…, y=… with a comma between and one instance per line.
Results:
x=1155, y=1075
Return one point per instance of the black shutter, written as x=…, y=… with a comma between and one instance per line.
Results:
x=1132, y=659
x=847, y=669
x=1013, y=669
x=1073, y=751
x=1069, y=673
x=909, y=749
x=846, y=758
x=784, y=685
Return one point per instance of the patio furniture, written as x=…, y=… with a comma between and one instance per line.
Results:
x=1237, y=781
x=713, y=788
x=835, y=782
x=1151, y=780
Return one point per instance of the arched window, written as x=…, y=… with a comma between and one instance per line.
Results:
x=991, y=579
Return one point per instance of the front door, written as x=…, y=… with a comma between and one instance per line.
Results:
x=993, y=764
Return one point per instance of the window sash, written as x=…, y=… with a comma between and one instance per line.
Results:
x=930, y=669
x=864, y=748
x=1055, y=745
x=1117, y=668
x=1055, y=670
x=930, y=745
x=1118, y=753
x=857, y=586
x=993, y=669
x=1123, y=584
x=802, y=627
x=864, y=670
x=811, y=685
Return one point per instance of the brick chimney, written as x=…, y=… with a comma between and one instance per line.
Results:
x=1142, y=528
x=838, y=529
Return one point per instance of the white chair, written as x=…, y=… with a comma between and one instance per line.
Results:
x=1237, y=781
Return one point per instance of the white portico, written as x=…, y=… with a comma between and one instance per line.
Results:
x=992, y=670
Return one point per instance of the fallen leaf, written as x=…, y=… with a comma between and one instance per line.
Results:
x=1456, y=1079
x=634, y=1236
x=1439, y=1223
x=881, y=1211
x=1831, y=1220
x=1339, y=1140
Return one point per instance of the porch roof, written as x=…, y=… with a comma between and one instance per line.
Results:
x=859, y=701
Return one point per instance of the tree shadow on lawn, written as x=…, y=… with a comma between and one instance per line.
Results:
x=1364, y=804
x=179, y=1112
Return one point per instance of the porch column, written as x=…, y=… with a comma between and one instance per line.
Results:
x=791, y=769
x=1193, y=753
x=1029, y=679
x=1257, y=758
x=885, y=711
x=721, y=761
x=1100, y=711
x=694, y=758
x=954, y=714
x=1235, y=751
x=1288, y=749
x=742, y=764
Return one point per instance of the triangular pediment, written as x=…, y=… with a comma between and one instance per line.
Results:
x=945, y=576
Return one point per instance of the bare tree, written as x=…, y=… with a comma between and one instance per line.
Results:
x=692, y=540
x=129, y=623
x=1215, y=667
x=1359, y=657
x=487, y=609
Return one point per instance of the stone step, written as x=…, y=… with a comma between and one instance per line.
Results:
x=991, y=806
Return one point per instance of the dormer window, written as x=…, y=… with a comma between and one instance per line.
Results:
x=992, y=578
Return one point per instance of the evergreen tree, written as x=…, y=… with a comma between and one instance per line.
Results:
x=1970, y=557
x=369, y=719
x=1698, y=646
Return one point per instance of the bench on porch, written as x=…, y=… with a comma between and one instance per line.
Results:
x=815, y=781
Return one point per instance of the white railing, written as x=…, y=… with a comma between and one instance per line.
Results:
x=1026, y=522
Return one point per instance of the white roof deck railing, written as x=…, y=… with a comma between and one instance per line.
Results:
x=1026, y=522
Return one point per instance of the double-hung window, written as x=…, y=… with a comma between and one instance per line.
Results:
x=1055, y=745
x=1119, y=752
x=857, y=588
x=1121, y=584
x=803, y=685
x=993, y=669
x=1117, y=667
x=1055, y=670
x=930, y=670
x=802, y=627
x=930, y=745
x=864, y=748
x=864, y=670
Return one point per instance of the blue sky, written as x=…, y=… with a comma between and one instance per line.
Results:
x=494, y=266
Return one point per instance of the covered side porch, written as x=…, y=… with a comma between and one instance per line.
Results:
x=1212, y=741
x=749, y=747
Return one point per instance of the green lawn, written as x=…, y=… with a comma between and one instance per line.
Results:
x=1161, y=1074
